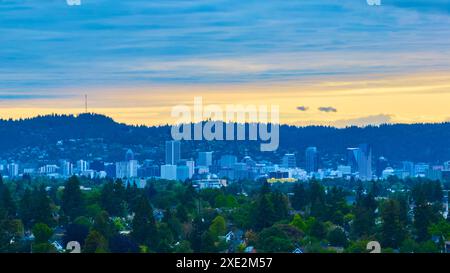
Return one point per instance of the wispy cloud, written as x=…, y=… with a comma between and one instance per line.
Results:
x=302, y=108
x=364, y=121
x=50, y=45
x=327, y=109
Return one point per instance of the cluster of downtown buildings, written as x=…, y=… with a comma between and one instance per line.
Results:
x=214, y=170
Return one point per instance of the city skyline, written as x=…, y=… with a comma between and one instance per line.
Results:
x=208, y=170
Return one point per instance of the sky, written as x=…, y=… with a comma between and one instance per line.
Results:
x=323, y=62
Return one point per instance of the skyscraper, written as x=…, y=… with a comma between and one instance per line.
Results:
x=227, y=161
x=82, y=166
x=122, y=169
x=172, y=152
x=129, y=155
x=169, y=172
x=352, y=158
x=365, y=162
x=132, y=168
x=66, y=168
x=126, y=169
x=182, y=172
x=13, y=169
x=311, y=159
x=204, y=159
x=289, y=161
x=191, y=166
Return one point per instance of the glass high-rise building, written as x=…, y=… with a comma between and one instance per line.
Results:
x=205, y=159
x=352, y=158
x=228, y=161
x=289, y=161
x=365, y=162
x=311, y=159
x=169, y=172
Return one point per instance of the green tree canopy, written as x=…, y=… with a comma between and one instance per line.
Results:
x=72, y=199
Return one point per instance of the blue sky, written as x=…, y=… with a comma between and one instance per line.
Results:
x=48, y=48
x=49, y=44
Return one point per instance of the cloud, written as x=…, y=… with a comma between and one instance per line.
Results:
x=50, y=45
x=12, y=97
x=327, y=109
x=302, y=108
x=438, y=6
x=364, y=121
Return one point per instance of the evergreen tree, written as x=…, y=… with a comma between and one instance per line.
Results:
x=182, y=213
x=95, y=243
x=112, y=198
x=317, y=200
x=364, y=211
x=143, y=225
x=42, y=233
x=265, y=188
x=11, y=233
x=75, y=232
x=104, y=225
x=26, y=208
x=195, y=237
x=280, y=205
x=218, y=226
x=264, y=213
x=123, y=244
x=423, y=217
x=392, y=230
x=189, y=196
x=337, y=237
x=318, y=230
x=299, y=200
x=208, y=242
x=132, y=194
x=6, y=201
x=42, y=210
x=72, y=199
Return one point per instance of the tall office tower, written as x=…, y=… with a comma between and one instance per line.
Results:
x=352, y=158
x=227, y=161
x=204, y=159
x=122, y=169
x=132, y=168
x=169, y=172
x=408, y=167
x=182, y=172
x=365, y=162
x=289, y=161
x=191, y=166
x=127, y=169
x=13, y=170
x=382, y=164
x=66, y=168
x=82, y=166
x=312, y=159
x=421, y=169
x=172, y=152
x=129, y=155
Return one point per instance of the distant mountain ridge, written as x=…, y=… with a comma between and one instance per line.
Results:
x=416, y=142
